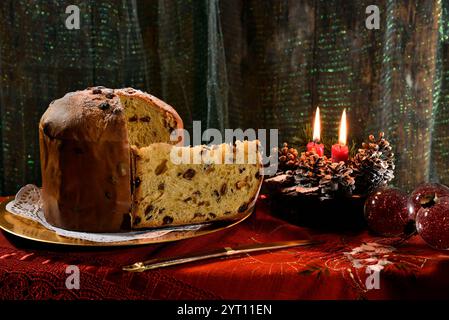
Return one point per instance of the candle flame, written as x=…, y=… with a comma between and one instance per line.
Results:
x=343, y=129
x=317, y=126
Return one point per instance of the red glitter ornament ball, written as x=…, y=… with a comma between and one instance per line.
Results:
x=423, y=190
x=386, y=212
x=432, y=221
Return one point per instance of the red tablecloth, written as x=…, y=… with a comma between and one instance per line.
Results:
x=336, y=269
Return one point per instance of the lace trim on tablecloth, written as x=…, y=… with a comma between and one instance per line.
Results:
x=28, y=204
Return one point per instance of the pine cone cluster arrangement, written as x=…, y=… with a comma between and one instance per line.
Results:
x=373, y=165
x=288, y=158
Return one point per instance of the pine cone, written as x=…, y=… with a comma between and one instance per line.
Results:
x=311, y=169
x=373, y=165
x=337, y=180
x=288, y=158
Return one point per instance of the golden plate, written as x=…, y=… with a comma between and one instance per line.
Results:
x=32, y=230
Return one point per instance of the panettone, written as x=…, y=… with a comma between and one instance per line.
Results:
x=106, y=166
x=85, y=142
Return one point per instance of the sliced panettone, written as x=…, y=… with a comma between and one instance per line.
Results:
x=206, y=184
x=106, y=155
x=85, y=140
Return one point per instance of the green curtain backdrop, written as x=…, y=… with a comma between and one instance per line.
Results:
x=237, y=63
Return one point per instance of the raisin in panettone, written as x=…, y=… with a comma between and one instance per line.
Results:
x=85, y=140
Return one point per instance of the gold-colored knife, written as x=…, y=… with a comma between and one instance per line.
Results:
x=222, y=252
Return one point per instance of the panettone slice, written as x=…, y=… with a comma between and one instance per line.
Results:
x=187, y=185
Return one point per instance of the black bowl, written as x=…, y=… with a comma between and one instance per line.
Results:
x=344, y=213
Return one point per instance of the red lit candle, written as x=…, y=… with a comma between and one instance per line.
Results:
x=315, y=145
x=340, y=151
